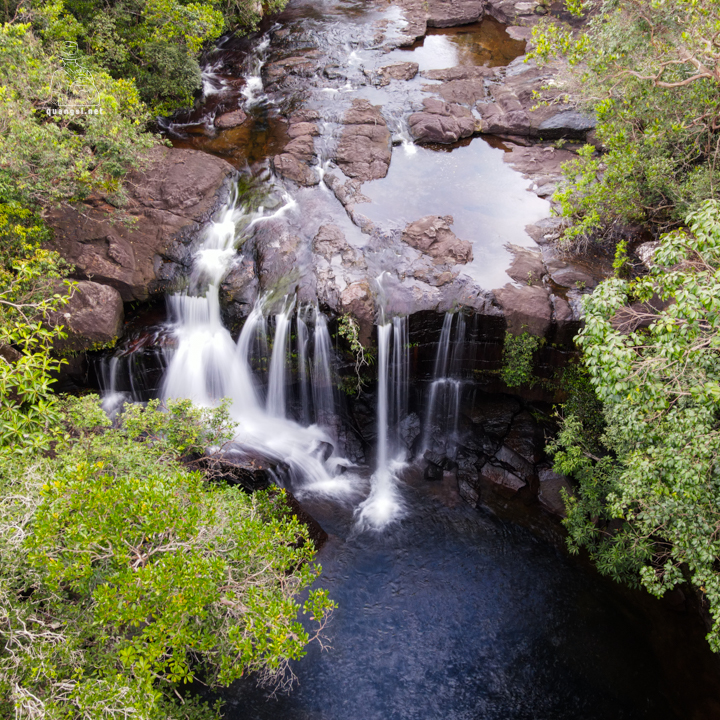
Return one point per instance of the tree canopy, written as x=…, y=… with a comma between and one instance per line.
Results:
x=650, y=71
x=648, y=501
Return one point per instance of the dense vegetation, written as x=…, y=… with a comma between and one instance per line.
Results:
x=641, y=431
x=649, y=70
x=126, y=574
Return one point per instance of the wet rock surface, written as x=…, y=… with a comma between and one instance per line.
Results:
x=513, y=107
x=441, y=122
x=169, y=202
x=92, y=318
x=432, y=235
x=364, y=150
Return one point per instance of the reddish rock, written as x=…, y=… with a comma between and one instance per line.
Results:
x=93, y=317
x=230, y=119
x=433, y=236
x=169, y=200
x=364, y=150
x=441, y=122
x=447, y=13
x=526, y=309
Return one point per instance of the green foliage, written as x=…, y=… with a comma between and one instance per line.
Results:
x=125, y=576
x=518, y=352
x=28, y=305
x=46, y=159
x=621, y=262
x=649, y=484
x=151, y=43
x=649, y=70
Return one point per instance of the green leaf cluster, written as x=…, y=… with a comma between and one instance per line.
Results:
x=517, y=358
x=650, y=71
x=125, y=575
x=647, y=458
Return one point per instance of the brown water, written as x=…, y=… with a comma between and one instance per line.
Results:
x=484, y=43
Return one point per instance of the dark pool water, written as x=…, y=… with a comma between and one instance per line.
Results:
x=455, y=614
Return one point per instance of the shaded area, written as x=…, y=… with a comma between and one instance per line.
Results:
x=454, y=614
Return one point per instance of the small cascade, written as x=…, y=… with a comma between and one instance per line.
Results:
x=212, y=82
x=303, y=375
x=400, y=375
x=443, y=405
x=207, y=366
x=322, y=376
x=112, y=398
x=253, y=90
x=277, y=383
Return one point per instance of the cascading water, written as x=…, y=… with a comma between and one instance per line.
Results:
x=302, y=354
x=443, y=404
x=322, y=380
x=253, y=90
x=276, y=402
x=207, y=366
x=384, y=504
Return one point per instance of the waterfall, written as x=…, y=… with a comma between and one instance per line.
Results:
x=444, y=395
x=400, y=380
x=322, y=380
x=302, y=354
x=278, y=361
x=112, y=399
x=206, y=366
x=253, y=90
x=384, y=504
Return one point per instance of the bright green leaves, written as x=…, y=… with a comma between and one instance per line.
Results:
x=648, y=503
x=146, y=571
x=518, y=351
x=649, y=72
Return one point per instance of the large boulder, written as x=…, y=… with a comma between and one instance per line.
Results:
x=550, y=494
x=365, y=148
x=298, y=158
x=514, y=108
x=526, y=309
x=169, y=200
x=432, y=235
x=92, y=318
x=398, y=71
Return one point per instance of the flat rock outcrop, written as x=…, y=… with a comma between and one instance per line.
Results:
x=230, y=119
x=398, y=71
x=365, y=149
x=446, y=13
x=441, y=122
x=168, y=203
x=298, y=158
x=526, y=309
x=432, y=235
x=513, y=108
